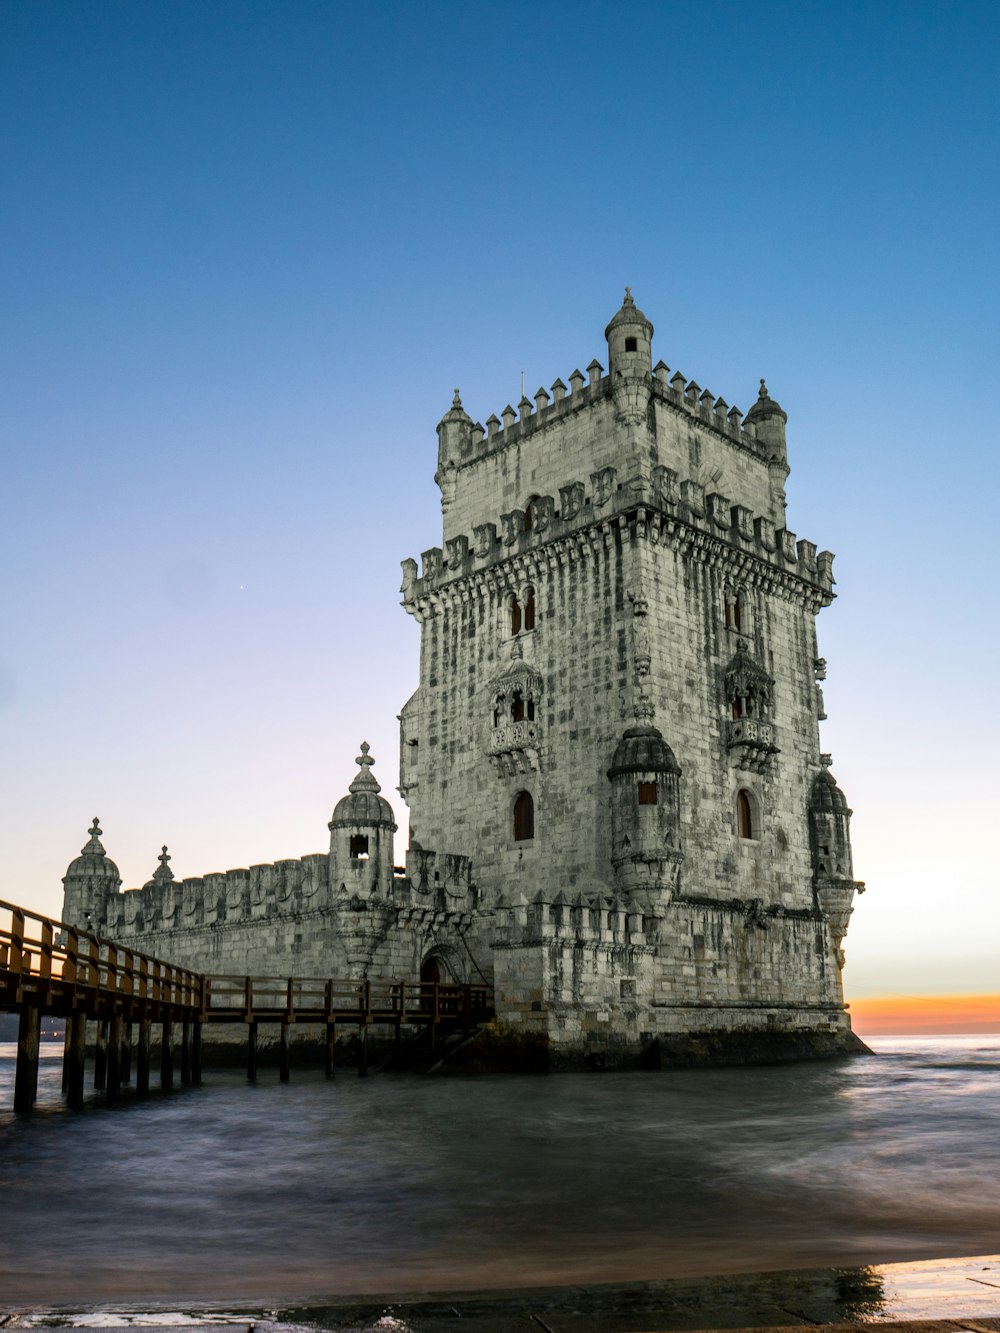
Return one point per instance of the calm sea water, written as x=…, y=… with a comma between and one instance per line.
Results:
x=315, y=1189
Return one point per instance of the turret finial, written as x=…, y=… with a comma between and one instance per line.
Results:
x=365, y=780
x=628, y=296
x=763, y=388
x=457, y=400
x=94, y=845
x=95, y=829
x=163, y=871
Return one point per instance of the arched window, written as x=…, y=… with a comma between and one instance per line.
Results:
x=744, y=815
x=517, y=707
x=737, y=707
x=734, y=609
x=529, y=608
x=524, y=817
x=515, y=616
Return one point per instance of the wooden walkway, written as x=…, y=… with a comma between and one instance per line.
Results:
x=50, y=968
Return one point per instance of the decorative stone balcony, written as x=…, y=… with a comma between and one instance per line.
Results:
x=514, y=736
x=752, y=740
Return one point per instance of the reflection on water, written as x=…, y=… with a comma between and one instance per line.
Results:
x=312, y=1189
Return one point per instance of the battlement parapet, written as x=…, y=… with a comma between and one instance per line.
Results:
x=687, y=396
x=580, y=505
x=281, y=888
x=585, y=919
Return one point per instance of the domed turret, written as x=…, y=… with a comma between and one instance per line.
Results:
x=830, y=839
x=645, y=815
x=361, y=848
x=454, y=434
x=630, y=360
x=91, y=879
x=769, y=418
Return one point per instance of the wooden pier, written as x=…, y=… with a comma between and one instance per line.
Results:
x=49, y=968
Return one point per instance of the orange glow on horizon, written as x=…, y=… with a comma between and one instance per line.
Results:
x=914, y=1014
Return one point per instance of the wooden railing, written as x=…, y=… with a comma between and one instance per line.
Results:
x=49, y=960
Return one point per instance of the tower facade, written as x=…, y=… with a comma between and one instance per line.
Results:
x=618, y=717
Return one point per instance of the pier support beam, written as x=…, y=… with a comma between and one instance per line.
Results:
x=284, y=1068
x=126, y=1052
x=142, y=1058
x=196, y=1052
x=29, y=1033
x=331, y=1047
x=75, y=1059
x=186, y=1052
x=101, y=1055
x=167, y=1055
x=113, y=1078
x=362, y=1050
x=252, y=1052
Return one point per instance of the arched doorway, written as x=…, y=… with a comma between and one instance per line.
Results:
x=430, y=970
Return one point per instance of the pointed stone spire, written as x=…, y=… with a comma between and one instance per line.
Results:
x=365, y=780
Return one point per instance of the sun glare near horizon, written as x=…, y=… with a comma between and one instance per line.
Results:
x=889, y=1015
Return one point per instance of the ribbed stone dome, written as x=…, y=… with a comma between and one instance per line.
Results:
x=765, y=406
x=629, y=314
x=826, y=797
x=363, y=804
x=93, y=862
x=643, y=750
x=456, y=412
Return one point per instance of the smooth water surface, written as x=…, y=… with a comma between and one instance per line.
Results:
x=316, y=1189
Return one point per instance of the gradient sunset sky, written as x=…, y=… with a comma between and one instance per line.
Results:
x=247, y=251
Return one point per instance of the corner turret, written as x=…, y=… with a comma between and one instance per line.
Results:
x=91, y=880
x=645, y=815
x=769, y=418
x=830, y=842
x=454, y=434
x=630, y=360
x=361, y=848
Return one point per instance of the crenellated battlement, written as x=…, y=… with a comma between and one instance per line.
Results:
x=668, y=502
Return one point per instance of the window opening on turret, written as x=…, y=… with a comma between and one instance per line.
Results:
x=631, y=344
x=359, y=846
x=531, y=710
x=737, y=708
x=647, y=793
x=744, y=815
x=524, y=817
x=517, y=707
x=515, y=616
x=529, y=609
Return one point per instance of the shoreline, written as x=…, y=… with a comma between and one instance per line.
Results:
x=957, y=1290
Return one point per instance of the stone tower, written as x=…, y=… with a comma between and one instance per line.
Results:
x=617, y=717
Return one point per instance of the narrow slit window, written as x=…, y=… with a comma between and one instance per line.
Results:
x=515, y=616
x=647, y=793
x=744, y=815
x=524, y=817
x=529, y=610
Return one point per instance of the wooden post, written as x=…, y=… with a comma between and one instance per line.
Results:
x=67, y=1043
x=76, y=1058
x=167, y=1055
x=284, y=1070
x=29, y=1032
x=331, y=1044
x=363, y=1050
x=113, y=1079
x=101, y=1055
x=126, y=1052
x=186, y=1051
x=252, y=1051
x=196, y=1052
x=142, y=1056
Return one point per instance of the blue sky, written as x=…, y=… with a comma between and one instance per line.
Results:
x=247, y=251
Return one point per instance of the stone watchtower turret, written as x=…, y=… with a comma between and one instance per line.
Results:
x=361, y=850
x=645, y=816
x=89, y=884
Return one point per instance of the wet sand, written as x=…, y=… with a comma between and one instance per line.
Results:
x=932, y=1296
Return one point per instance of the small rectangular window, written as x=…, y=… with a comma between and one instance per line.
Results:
x=359, y=845
x=647, y=793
